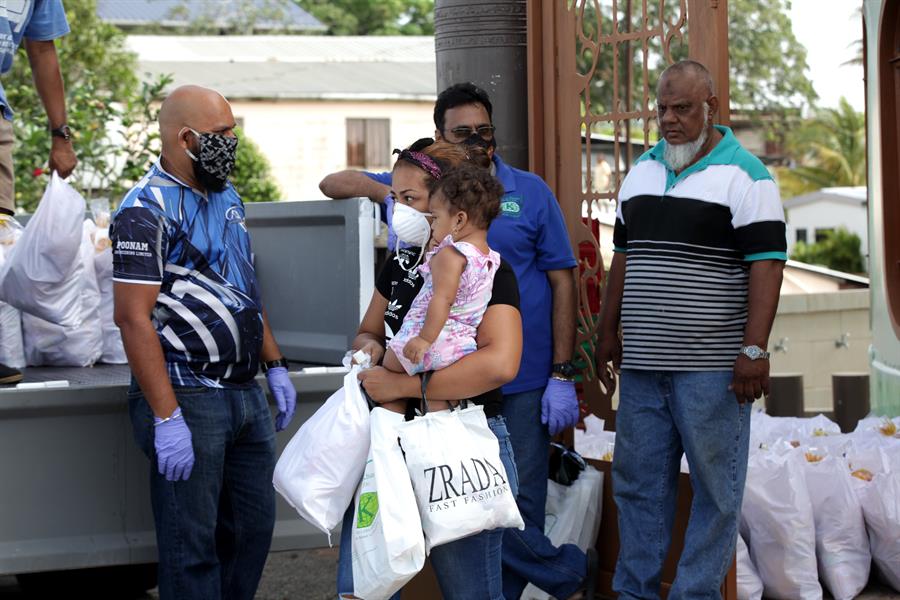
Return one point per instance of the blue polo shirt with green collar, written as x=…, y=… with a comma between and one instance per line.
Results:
x=689, y=241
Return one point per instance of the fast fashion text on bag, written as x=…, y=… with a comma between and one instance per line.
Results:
x=461, y=486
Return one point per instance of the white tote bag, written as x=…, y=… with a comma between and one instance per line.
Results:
x=322, y=464
x=388, y=546
x=461, y=486
x=42, y=274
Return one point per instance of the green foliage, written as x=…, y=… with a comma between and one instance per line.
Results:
x=252, y=175
x=768, y=64
x=109, y=112
x=840, y=250
x=829, y=150
x=365, y=17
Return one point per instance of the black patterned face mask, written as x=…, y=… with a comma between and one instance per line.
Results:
x=216, y=160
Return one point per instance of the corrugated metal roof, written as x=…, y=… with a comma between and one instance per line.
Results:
x=298, y=67
x=283, y=48
x=854, y=196
x=268, y=14
x=358, y=80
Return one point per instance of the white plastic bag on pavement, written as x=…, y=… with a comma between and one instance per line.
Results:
x=49, y=344
x=461, y=485
x=777, y=522
x=749, y=585
x=388, y=545
x=320, y=468
x=12, y=348
x=572, y=517
x=42, y=275
x=842, y=547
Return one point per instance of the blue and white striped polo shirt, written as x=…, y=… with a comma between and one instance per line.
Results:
x=689, y=241
x=196, y=248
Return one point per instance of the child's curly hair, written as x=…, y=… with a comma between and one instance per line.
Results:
x=472, y=190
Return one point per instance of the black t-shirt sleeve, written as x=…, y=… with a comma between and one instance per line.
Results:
x=506, y=287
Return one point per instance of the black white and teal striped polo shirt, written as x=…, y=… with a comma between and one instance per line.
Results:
x=689, y=241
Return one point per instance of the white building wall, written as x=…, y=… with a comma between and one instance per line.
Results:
x=827, y=215
x=305, y=140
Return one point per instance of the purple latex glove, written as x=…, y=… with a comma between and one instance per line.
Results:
x=284, y=393
x=174, y=451
x=559, y=405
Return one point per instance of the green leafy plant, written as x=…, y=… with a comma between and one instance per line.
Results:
x=840, y=250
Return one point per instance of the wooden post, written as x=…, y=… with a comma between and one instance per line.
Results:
x=708, y=44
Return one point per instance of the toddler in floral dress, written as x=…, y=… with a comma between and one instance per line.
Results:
x=440, y=326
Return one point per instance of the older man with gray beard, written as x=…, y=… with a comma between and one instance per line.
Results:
x=700, y=247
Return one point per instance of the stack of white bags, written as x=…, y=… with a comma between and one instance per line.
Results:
x=820, y=508
x=56, y=299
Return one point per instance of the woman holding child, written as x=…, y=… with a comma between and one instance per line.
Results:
x=465, y=327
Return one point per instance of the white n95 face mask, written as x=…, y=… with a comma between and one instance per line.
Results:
x=412, y=227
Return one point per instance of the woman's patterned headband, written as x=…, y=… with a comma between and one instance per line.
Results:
x=421, y=160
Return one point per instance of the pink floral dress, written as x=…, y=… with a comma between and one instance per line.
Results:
x=457, y=338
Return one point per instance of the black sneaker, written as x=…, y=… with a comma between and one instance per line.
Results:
x=9, y=375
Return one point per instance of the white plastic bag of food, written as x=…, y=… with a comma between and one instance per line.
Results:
x=12, y=347
x=842, y=547
x=878, y=490
x=749, y=585
x=43, y=274
x=777, y=521
x=321, y=467
x=113, y=349
x=572, y=517
x=595, y=442
x=49, y=344
x=462, y=487
x=387, y=540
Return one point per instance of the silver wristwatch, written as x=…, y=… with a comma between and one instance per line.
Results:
x=754, y=352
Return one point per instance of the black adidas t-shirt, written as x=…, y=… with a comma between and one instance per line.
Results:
x=400, y=288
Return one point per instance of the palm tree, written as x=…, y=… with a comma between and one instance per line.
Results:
x=829, y=150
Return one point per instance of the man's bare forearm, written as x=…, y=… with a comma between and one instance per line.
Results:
x=350, y=184
x=611, y=309
x=565, y=307
x=762, y=299
x=145, y=357
x=48, y=79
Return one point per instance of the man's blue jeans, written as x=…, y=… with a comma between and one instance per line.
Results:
x=467, y=569
x=213, y=530
x=529, y=556
x=662, y=414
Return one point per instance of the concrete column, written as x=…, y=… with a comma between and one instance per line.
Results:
x=485, y=42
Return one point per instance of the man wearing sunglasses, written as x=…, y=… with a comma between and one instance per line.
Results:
x=531, y=235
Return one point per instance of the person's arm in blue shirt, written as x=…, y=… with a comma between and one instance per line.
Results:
x=350, y=184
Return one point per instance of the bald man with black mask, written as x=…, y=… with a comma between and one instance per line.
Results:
x=192, y=321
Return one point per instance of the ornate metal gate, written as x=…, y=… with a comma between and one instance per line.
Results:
x=593, y=66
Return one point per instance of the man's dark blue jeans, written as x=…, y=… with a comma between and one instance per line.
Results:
x=213, y=530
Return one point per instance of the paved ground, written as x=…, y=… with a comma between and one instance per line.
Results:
x=309, y=575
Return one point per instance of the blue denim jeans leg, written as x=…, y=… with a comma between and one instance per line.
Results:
x=529, y=556
x=214, y=530
x=662, y=414
x=467, y=569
